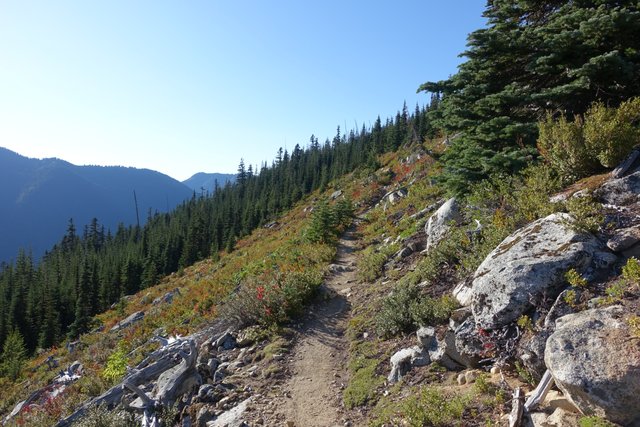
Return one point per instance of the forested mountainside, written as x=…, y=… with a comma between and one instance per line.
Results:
x=90, y=269
x=202, y=182
x=40, y=196
x=495, y=248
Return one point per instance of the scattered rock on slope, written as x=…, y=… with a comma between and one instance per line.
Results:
x=439, y=222
x=531, y=263
x=621, y=192
x=130, y=320
x=595, y=361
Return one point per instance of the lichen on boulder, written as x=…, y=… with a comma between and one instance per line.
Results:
x=530, y=264
x=595, y=361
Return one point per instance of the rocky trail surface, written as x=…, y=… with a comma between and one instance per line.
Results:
x=311, y=394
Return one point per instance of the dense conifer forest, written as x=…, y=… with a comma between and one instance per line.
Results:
x=91, y=269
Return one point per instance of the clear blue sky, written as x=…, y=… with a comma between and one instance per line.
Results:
x=190, y=86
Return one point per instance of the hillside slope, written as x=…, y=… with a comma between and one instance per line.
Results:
x=257, y=347
x=40, y=196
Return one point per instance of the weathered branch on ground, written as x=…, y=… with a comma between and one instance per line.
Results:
x=540, y=392
x=179, y=379
x=515, y=417
x=144, y=373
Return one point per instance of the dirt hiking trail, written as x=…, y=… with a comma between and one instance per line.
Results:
x=308, y=393
x=319, y=358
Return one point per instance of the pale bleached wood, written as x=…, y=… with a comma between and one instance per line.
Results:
x=150, y=372
x=515, y=417
x=626, y=164
x=540, y=392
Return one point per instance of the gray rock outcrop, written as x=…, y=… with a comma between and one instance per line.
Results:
x=439, y=223
x=393, y=197
x=531, y=263
x=596, y=363
x=130, y=320
x=621, y=192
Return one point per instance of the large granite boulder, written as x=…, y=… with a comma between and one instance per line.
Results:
x=595, y=361
x=530, y=264
x=440, y=221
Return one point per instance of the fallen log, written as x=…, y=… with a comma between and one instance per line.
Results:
x=143, y=373
x=179, y=379
x=149, y=405
x=515, y=417
x=623, y=167
x=540, y=392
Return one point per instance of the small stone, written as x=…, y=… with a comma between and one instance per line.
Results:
x=426, y=337
x=290, y=423
x=462, y=379
x=556, y=400
x=561, y=417
x=495, y=370
x=471, y=376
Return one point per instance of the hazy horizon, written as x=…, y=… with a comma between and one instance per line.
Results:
x=188, y=87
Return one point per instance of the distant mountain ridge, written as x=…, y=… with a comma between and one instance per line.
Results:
x=205, y=182
x=39, y=196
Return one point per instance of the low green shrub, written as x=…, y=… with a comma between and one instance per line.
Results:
x=561, y=143
x=571, y=298
x=429, y=407
x=406, y=308
x=116, y=365
x=101, y=416
x=602, y=138
x=586, y=212
x=524, y=374
x=372, y=261
x=615, y=292
x=594, y=421
x=611, y=133
x=631, y=271
x=634, y=325
x=430, y=311
x=525, y=323
x=575, y=279
x=394, y=315
x=272, y=298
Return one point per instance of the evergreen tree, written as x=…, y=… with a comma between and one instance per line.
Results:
x=533, y=56
x=13, y=355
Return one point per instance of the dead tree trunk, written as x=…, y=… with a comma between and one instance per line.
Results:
x=145, y=372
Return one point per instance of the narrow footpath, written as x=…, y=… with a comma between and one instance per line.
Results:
x=310, y=394
x=320, y=356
